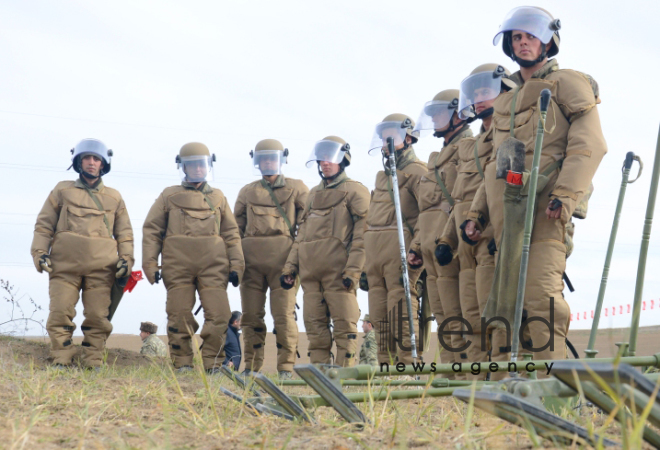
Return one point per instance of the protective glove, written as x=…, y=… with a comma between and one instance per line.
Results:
x=157, y=277
x=45, y=264
x=416, y=255
x=492, y=248
x=464, y=236
x=122, y=268
x=364, y=284
x=443, y=254
x=233, y=278
x=286, y=286
x=554, y=204
x=348, y=283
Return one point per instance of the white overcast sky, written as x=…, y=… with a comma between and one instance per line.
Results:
x=148, y=76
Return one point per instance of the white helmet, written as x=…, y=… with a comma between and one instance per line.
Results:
x=90, y=147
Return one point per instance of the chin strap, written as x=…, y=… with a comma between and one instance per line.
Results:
x=82, y=172
x=481, y=116
x=331, y=178
x=465, y=125
x=452, y=127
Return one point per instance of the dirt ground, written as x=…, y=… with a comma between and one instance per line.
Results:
x=647, y=345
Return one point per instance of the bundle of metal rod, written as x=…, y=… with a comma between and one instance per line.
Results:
x=365, y=372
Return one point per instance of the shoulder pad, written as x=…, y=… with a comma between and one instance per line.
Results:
x=575, y=92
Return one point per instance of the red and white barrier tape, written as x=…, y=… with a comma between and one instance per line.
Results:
x=618, y=310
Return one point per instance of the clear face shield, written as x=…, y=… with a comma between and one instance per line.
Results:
x=477, y=88
x=530, y=20
x=326, y=150
x=383, y=131
x=195, y=169
x=268, y=162
x=435, y=116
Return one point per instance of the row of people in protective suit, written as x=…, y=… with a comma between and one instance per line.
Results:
x=338, y=236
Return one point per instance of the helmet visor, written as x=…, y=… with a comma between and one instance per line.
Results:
x=383, y=131
x=529, y=19
x=436, y=115
x=477, y=88
x=196, y=169
x=268, y=162
x=326, y=150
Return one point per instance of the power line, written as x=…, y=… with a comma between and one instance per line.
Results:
x=121, y=173
x=144, y=125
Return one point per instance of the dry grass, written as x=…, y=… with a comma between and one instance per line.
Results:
x=136, y=403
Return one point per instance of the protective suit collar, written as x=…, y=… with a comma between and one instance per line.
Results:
x=339, y=179
x=406, y=157
x=547, y=69
x=465, y=132
x=96, y=187
x=279, y=182
x=204, y=187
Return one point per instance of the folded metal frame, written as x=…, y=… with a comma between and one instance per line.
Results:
x=287, y=403
x=586, y=377
x=240, y=381
x=526, y=415
x=330, y=393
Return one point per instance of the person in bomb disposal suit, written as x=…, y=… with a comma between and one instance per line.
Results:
x=383, y=267
x=573, y=147
x=329, y=254
x=476, y=259
x=435, y=202
x=195, y=230
x=84, y=240
x=268, y=213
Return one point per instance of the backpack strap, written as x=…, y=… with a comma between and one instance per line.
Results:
x=266, y=186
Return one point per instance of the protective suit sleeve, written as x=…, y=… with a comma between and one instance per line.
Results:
x=153, y=232
x=449, y=235
x=240, y=211
x=585, y=141
x=416, y=242
x=291, y=264
x=358, y=206
x=479, y=209
x=45, y=227
x=230, y=234
x=302, y=194
x=123, y=233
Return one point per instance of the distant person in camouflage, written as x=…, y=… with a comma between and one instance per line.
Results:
x=151, y=344
x=369, y=350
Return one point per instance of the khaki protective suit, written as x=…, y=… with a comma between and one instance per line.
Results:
x=201, y=246
x=574, y=136
x=329, y=248
x=387, y=303
x=477, y=265
x=434, y=210
x=84, y=253
x=266, y=243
